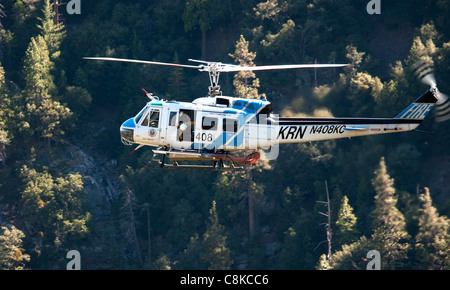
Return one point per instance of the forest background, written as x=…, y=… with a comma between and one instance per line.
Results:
x=68, y=183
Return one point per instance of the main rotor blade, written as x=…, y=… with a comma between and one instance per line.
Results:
x=231, y=68
x=219, y=67
x=143, y=61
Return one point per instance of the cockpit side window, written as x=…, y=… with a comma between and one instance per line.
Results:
x=154, y=118
x=151, y=119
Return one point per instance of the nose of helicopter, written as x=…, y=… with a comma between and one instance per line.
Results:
x=127, y=131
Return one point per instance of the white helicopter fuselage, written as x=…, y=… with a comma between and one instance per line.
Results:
x=227, y=124
x=207, y=124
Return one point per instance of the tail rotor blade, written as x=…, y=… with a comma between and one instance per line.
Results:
x=442, y=107
x=425, y=72
x=429, y=79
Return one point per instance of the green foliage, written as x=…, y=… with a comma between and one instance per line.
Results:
x=78, y=99
x=215, y=251
x=346, y=224
x=11, y=249
x=4, y=116
x=389, y=237
x=37, y=67
x=202, y=14
x=389, y=234
x=351, y=257
x=55, y=202
x=433, y=237
x=52, y=33
x=55, y=209
x=44, y=116
x=242, y=86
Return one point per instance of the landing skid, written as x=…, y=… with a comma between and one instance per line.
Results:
x=219, y=161
x=216, y=166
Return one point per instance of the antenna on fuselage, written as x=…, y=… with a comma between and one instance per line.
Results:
x=150, y=96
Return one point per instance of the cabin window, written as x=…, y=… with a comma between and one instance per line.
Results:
x=209, y=123
x=230, y=125
x=172, y=118
x=186, y=125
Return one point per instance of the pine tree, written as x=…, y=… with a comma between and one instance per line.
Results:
x=52, y=114
x=37, y=66
x=44, y=115
x=423, y=47
x=346, y=232
x=242, y=85
x=53, y=33
x=269, y=9
x=215, y=252
x=245, y=89
x=433, y=237
x=388, y=222
x=350, y=257
x=189, y=258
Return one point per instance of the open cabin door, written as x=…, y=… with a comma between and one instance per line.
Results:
x=185, y=129
x=171, y=127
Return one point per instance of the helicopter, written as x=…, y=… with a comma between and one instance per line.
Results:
x=219, y=129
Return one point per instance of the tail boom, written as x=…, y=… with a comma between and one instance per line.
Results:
x=295, y=130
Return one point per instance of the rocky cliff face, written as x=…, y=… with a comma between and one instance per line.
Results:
x=100, y=176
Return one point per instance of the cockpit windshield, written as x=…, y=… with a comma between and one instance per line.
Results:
x=139, y=116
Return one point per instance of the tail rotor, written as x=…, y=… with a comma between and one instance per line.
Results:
x=425, y=73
